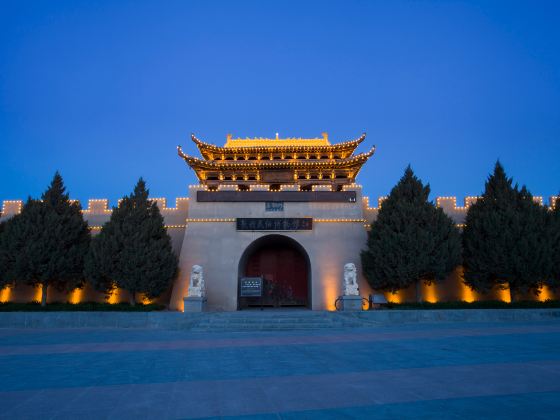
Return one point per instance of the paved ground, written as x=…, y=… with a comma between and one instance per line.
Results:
x=509, y=370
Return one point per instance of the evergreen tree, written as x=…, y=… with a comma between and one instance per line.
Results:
x=554, y=244
x=4, y=258
x=411, y=241
x=505, y=239
x=46, y=243
x=133, y=250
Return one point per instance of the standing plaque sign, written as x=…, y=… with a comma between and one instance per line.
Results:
x=251, y=287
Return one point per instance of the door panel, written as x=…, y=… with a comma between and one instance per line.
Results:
x=284, y=270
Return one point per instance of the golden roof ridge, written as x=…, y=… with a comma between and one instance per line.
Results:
x=276, y=143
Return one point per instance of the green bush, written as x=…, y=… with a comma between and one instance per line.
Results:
x=79, y=307
x=486, y=304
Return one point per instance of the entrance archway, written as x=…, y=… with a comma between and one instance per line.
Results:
x=285, y=268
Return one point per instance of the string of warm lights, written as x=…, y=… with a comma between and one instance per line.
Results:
x=248, y=145
x=339, y=220
x=7, y=205
x=210, y=220
x=326, y=187
x=260, y=163
x=101, y=205
x=166, y=226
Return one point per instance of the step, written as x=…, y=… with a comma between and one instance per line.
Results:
x=273, y=321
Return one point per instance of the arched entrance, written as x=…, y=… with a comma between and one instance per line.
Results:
x=285, y=268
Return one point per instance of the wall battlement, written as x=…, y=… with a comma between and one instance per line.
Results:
x=100, y=207
x=97, y=206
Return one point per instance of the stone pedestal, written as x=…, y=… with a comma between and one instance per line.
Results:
x=194, y=304
x=351, y=303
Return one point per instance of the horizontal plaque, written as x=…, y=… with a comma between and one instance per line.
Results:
x=274, y=223
x=250, y=287
x=277, y=176
x=286, y=196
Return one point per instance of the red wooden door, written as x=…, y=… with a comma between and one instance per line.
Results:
x=284, y=270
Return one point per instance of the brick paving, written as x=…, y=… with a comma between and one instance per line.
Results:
x=459, y=370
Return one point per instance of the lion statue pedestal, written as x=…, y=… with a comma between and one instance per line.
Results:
x=351, y=299
x=196, y=299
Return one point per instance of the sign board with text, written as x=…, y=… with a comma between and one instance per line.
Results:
x=274, y=223
x=250, y=287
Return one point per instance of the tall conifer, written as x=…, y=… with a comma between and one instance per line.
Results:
x=554, y=244
x=4, y=258
x=505, y=239
x=411, y=241
x=46, y=243
x=133, y=250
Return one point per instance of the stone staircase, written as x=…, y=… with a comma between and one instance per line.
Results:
x=274, y=320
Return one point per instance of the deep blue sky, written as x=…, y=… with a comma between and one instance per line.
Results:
x=104, y=91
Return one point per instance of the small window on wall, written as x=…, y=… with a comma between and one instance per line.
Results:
x=212, y=178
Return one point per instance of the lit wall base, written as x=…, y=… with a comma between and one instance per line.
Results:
x=351, y=303
x=194, y=304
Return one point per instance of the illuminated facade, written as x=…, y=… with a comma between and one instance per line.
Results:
x=275, y=162
x=287, y=210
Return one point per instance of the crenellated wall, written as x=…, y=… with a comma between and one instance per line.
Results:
x=345, y=223
x=96, y=214
x=448, y=204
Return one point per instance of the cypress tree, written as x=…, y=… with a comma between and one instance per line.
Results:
x=4, y=258
x=46, y=243
x=505, y=240
x=133, y=250
x=411, y=241
x=554, y=244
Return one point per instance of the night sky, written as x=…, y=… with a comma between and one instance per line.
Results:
x=105, y=91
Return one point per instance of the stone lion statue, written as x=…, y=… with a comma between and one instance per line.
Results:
x=196, y=285
x=350, y=280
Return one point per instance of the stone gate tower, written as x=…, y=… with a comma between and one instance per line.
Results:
x=284, y=209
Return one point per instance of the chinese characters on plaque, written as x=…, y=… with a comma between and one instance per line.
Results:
x=275, y=223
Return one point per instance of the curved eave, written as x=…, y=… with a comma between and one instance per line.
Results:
x=353, y=161
x=187, y=159
x=206, y=149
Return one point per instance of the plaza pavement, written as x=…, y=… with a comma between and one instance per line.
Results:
x=448, y=371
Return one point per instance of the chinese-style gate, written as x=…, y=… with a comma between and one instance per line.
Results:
x=284, y=268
